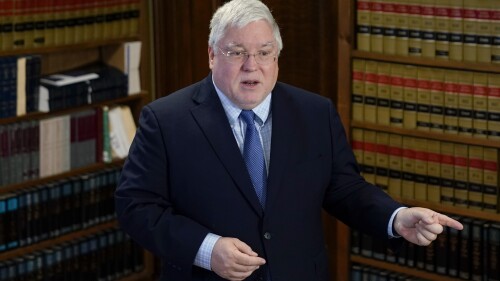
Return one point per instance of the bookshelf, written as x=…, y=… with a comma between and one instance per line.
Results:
x=347, y=52
x=131, y=18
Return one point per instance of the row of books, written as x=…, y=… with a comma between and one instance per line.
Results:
x=107, y=255
x=40, y=148
x=35, y=23
x=424, y=98
x=460, y=30
x=361, y=272
x=47, y=211
x=470, y=254
x=465, y=176
x=19, y=80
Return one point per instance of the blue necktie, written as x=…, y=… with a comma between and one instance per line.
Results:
x=254, y=156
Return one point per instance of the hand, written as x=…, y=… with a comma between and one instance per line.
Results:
x=421, y=226
x=234, y=260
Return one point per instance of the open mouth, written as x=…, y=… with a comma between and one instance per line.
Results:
x=250, y=83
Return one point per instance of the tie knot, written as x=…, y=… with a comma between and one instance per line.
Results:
x=248, y=116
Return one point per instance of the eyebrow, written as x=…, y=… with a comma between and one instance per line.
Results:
x=267, y=44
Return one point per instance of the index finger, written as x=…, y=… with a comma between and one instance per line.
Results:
x=244, y=259
x=447, y=221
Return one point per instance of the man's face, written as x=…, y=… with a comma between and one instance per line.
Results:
x=246, y=82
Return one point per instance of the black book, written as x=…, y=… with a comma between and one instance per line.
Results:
x=477, y=250
x=465, y=243
x=492, y=252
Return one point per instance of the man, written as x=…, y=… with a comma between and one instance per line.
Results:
x=226, y=179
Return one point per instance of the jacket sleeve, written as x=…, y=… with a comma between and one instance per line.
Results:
x=143, y=202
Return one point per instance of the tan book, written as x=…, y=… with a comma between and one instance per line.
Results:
x=476, y=177
x=428, y=28
x=28, y=19
x=77, y=16
x=442, y=26
x=88, y=12
x=494, y=106
x=371, y=79
x=461, y=194
x=402, y=29
x=447, y=173
x=357, y=145
x=397, y=95
x=470, y=30
x=383, y=93
x=415, y=27
x=382, y=161
x=437, y=100
x=358, y=89
x=40, y=11
x=408, y=167
x=420, y=147
x=21, y=87
x=7, y=22
x=19, y=32
x=424, y=98
x=491, y=179
x=50, y=24
x=389, y=26
x=69, y=15
x=363, y=25
x=134, y=9
x=484, y=29
x=480, y=105
x=395, y=164
x=369, y=155
x=434, y=171
x=410, y=97
x=465, y=99
x=451, y=102
x=495, y=32
x=59, y=18
x=99, y=15
x=456, y=29
x=377, y=28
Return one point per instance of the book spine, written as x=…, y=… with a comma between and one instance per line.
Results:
x=465, y=246
x=377, y=28
x=358, y=146
x=408, y=167
x=402, y=27
x=480, y=105
x=451, y=102
x=470, y=30
x=389, y=26
x=484, y=29
x=382, y=161
x=461, y=175
x=465, y=102
x=428, y=28
x=421, y=179
x=442, y=26
x=410, y=97
x=415, y=26
x=434, y=171
x=456, y=14
x=395, y=164
x=491, y=179
x=369, y=155
x=476, y=167
x=437, y=101
x=447, y=173
x=363, y=25
x=494, y=106
x=495, y=32
x=396, y=95
x=358, y=89
x=370, y=104
x=383, y=93
x=424, y=75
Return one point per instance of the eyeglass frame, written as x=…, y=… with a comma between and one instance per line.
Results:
x=246, y=56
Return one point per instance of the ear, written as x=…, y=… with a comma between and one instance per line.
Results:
x=211, y=56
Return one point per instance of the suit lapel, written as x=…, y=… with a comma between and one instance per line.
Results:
x=211, y=118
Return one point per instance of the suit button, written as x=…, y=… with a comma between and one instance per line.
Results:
x=267, y=235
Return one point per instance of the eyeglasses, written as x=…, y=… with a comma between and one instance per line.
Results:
x=240, y=57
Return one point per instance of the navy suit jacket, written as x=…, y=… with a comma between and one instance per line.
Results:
x=185, y=177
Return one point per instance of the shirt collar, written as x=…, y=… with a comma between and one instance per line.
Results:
x=233, y=111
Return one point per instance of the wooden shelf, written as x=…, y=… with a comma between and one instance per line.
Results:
x=68, y=47
x=146, y=274
x=422, y=61
x=88, y=169
x=401, y=269
x=55, y=241
x=140, y=97
x=448, y=209
x=427, y=134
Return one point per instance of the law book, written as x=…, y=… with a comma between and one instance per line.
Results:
x=8, y=85
x=447, y=173
x=382, y=161
x=33, y=73
x=397, y=95
x=371, y=79
x=402, y=27
x=465, y=102
x=369, y=155
x=453, y=252
x=14, y=160
x=363, y=24
x=421, y=158
x=49, y=18
x=383, y=93
x=395, y=164
x=19, y=35
x=21, y=87
x=456, y=26
x=415, y=27
x=442, y=21
x=477, y=249
x=433, y=171
x=484, y=29
x=40, y=9
x=492, y=266
x=88, y=15
x=451, y=102
x=389, y=26
x=410, y=97
x=134, y=13
x=24, y=150
x=11, y=213
x=76, y=15
x=424, y=75
x=60, y=22
x=480, y=105
x=7, y=21
x=465, y=246
x=377, y=27
x=5, y=154
x=437, y=100
x=54, y=201
x=494, y=106
x=99, y=12
x=470, y=23
x=461, y=194
x=495, y=32
x=491, y=179
x=440, y=252
x=408, y=168
x=475, y=171
x=427, y=11
x=358, y=89
x=66, y=200
x=3, y=226
x=357, y=146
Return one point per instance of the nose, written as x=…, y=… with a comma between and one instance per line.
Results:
x=250, y=63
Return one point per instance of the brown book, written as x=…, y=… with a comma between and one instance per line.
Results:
x=434, y=171
x=428, y=28
x=447, y=173
x=410, y=97
x=451, y=102
x=461, y=193
x=395, y=164
x=377, y=27
x=408, y=165
x=389, y=26
x=437, y=100
x=363, y=24
x=480, y=105
x=484, y=29
x=358, y=89
x=421, y=155
x=382, y=161
x=442, y=26
x=371, y=82
x=470, y=30
x=491, y=179
x=383, y=93
x=494, y=106
x=456, y=29
x=415, y=27
x=424, y=98
x=402, y=29
x=397, y=95
x=369, y=155
x=476, y=166
x=465, y=95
